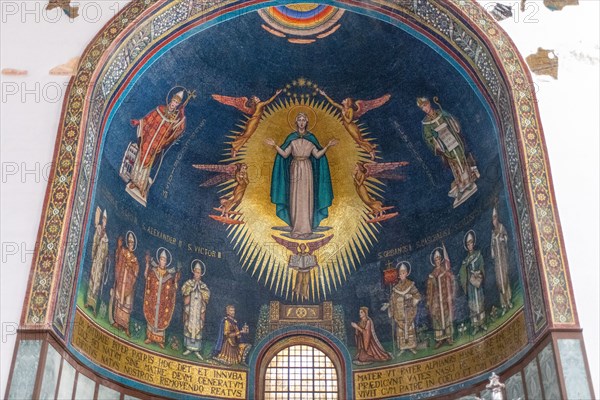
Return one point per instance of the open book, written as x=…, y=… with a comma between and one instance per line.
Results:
x=446, y=137
x=303, y=262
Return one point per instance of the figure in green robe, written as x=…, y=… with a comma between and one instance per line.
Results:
x=471, y=277
x=442, y=133
x=301, y=184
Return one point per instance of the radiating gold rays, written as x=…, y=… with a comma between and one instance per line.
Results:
x=353, y=237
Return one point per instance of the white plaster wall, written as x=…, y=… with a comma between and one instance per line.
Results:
x=37, y=40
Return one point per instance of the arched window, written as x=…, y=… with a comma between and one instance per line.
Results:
x=301, y=368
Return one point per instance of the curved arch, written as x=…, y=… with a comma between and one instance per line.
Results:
x=299, y=335
x=103, y=57
x=462, y=33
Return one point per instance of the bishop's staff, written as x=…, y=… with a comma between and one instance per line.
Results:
x=390, y=278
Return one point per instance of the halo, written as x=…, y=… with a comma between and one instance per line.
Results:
x=432, y=253
x=465, y=238
x=169, y=256
x=168, y=99
x=202, y=266
x=409, y=267
x=312, y=116
x=134, y=239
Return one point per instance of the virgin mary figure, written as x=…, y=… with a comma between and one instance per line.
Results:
x=301, y=184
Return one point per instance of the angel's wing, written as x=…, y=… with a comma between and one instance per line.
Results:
x=385, y=170
x=364, y=106
x=291, y=246
x=314, y=246
x=225, y=173
x=237, y=102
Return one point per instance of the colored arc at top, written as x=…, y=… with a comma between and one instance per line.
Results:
x=303, y=7
x=304, y=19
x=302, y=14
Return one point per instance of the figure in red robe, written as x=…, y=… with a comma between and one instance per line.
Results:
x=155, y=132
x=159, y=298
x=368, y=348
x=440, y=297
x=126, y=273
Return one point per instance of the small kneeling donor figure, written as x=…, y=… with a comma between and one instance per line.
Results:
x=368, y=347
x=230, y=348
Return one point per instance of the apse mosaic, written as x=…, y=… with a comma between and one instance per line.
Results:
x=300, y=165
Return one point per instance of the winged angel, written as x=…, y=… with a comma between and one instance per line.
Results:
x=351, y=110
x=237, y=172
x=312, y=194
x=364, y=171
x=303, y=261
x=254, y=107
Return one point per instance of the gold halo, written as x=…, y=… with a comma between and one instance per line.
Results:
x=169, y=255
x=433, y=252
x=202, y=266
x=169, y=97
x=408, y=267
x=134, y=238
x=294, y=111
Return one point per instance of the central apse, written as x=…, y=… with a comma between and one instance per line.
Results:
x=411, y=208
